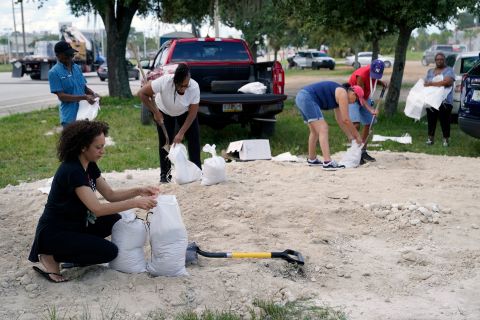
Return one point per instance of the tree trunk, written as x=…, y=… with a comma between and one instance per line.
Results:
x=375, y=48
x=117, y=26
x=393, y=95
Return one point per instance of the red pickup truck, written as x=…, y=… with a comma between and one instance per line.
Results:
x=221, y=67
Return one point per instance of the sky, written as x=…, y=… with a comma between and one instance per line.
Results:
x=48, y=17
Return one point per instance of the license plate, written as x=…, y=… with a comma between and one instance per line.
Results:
x=232, y=107
x=476, y=95
x=29, y=68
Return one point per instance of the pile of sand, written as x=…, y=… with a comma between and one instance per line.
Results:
x=363, y=253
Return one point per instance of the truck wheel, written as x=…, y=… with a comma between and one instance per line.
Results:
x=145, y=115
x=388, y=64
x=35, y=76
x=262, y=129
x=102, y=79
x=332, y=67
x=424, y=61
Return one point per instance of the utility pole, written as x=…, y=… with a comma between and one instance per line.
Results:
x=23, y=31
x=216, y=18
x=15, y=30
x=144, y=46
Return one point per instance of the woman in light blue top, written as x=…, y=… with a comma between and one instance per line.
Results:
x=444, y=111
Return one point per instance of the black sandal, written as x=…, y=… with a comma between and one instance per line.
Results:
x=46, y=275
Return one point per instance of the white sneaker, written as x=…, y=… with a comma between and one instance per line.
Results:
x=332, y=165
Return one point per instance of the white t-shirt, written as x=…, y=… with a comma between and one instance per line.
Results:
x=167, y=98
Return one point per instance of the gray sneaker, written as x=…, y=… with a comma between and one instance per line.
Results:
x=332, y=165
x=314, y=162
x=445, y=142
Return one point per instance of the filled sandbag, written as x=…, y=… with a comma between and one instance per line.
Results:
x=213, y=169
x=129, y=234
x=183, y=170
x=168, y=239
x=351, y=158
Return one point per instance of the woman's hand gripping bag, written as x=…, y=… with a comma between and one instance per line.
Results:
x=129, y=234
x=184, y=171
x=168, y=239
x=213, y=169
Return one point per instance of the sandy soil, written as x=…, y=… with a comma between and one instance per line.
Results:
x=395, y=239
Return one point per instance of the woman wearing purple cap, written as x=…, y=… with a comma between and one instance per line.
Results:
x=367, y=78
x=321, y=96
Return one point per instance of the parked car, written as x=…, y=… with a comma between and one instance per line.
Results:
x=133, y=72
x=469, y=113
x=365, y=58
x=313, y=59
x=462, y=64
x=429, y=54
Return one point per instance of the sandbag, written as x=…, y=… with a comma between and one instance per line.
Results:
x=254, y=87
x=129, y=234
x=351, y=158
x=213, y=169
x=87, y=111
x=183, y=170
x=168, y=239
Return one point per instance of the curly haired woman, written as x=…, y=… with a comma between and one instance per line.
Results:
x=74, y=224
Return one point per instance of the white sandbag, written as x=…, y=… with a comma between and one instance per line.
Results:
x=129, y=234
x=213, y=169
x=168, y=239
x=253, y=87
x=351, y=158
x=87, y=111
x=183, y=170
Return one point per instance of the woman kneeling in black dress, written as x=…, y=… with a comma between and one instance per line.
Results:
x=74, y=224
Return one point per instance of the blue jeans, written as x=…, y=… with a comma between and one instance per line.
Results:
x=358, y=113
x=309, y=109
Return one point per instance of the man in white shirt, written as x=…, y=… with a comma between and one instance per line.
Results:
x=174, y=98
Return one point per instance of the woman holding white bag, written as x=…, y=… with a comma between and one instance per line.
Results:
x=444, y=111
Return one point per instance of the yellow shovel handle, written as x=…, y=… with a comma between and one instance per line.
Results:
x=258, y=255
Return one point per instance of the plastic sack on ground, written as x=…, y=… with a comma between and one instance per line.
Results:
x=213, y=169
x=87, y=111
x=351, y=158
x=129, y=234
x=183, y=171
x=168, y=239
x=253, y=87
x=286, y=157
x=405, y=139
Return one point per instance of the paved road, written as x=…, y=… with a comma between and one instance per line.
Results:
x=24, y=95
x=19, y=95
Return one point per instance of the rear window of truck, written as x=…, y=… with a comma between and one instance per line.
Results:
x=210, y=51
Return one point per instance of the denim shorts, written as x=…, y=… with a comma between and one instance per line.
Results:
x=309, y=109
x=360, y=114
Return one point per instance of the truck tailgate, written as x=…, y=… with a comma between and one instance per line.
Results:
x=243, y=98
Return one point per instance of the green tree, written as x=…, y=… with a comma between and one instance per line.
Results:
x=193, y=12
x=117, y=17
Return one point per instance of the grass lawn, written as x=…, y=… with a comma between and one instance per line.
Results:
x=28, y=154
x=6, y=67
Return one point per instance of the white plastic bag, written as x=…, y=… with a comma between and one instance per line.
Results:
x=421, y=97
x=129, y=234
x=253, y=87
x=213, y=169
x=87, y=111
x=414, y=107
x=183, y=171
x=351, y=158
x=168, y=239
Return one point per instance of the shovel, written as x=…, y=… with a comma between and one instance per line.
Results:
x=133, y=48
x=377, y=107
x=291, y=256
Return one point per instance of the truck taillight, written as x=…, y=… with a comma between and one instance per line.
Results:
x=278, y=77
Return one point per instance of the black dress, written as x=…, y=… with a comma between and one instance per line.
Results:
x=63, y=229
